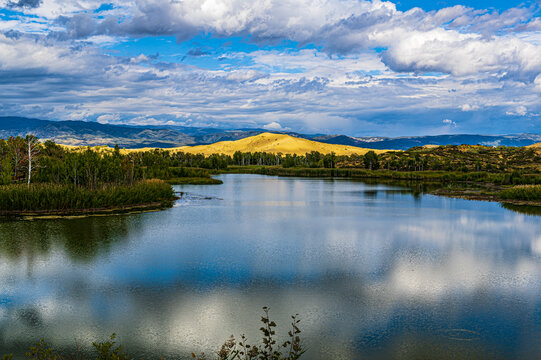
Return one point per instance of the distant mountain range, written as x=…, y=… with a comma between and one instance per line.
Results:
x=93, y=133
x=407, y=142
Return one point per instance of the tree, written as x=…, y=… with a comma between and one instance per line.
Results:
x=329, y=160
x=16, y=149
x=7, y=171
x=32, y=146
x=371, y=161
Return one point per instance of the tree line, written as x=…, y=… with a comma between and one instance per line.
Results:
x=27, y=160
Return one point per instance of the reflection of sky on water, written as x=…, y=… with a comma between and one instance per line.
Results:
x=371, y=270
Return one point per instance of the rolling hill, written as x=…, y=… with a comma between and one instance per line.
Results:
x=273, y=143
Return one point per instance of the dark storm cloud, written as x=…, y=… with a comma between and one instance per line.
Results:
x=24, y=4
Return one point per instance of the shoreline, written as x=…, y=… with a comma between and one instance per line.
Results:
x=467, y=190
x=432, y=183
x=80, y=213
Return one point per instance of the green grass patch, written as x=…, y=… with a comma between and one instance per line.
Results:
x=511, y=178
x=522, y=192
x=194, y=181
x=55, y=197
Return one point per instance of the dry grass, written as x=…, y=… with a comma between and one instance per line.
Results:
x=274, y=143
x=266, y=142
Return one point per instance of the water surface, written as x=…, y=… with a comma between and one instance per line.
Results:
x=374, y=272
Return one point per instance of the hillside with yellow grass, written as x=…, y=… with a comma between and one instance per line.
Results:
x=273, y=143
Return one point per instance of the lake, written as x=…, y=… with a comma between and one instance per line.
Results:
x=374, y=272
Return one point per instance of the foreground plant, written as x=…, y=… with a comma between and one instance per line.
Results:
x=268, y=349
x=291, y=349
x=107, y=350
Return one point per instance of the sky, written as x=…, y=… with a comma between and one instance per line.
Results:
x=355, y=67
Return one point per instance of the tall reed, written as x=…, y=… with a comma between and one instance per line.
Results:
x=522, y=192
x=40, y=197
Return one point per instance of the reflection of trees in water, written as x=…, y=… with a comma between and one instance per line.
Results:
x=82, y=239
x=524, y=209
x=414, y=188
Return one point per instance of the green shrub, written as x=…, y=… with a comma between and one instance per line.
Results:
x=522, y=192
x=268, y=349
x=107, y=350
x=41, y=351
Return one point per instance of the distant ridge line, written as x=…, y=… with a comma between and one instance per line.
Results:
x=83, y=133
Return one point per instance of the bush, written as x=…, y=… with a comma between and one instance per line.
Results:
x=291, y=349
x=107, y=350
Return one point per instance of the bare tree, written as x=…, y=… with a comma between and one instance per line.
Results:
x=32, y=144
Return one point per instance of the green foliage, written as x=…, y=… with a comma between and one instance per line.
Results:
x=522, y=192
x=43, y=197
x=107, y=350
x=268, y=349
x=371, y=161
x=41, y=351
x=94, y=166
x=194, y=181
x=433, y=176
x=6, y=171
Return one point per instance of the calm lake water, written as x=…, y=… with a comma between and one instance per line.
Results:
x=373, y=271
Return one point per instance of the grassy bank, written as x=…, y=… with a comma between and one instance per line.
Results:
x=194, y=181
x=513, y=178
x=190, y=176
x=522, y=192
x=54, y=198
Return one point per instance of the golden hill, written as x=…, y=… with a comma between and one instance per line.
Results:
x=273, y=143
x=536, y=145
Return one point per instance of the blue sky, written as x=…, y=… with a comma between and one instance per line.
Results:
x=354, y=67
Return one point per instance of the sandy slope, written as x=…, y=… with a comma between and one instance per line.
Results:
x=273, y=143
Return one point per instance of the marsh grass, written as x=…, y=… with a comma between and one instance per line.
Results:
x=522, y=192
x=194, y=181
x=511, y=178
x=43, y=197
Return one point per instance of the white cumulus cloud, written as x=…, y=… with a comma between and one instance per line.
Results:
x=273, y=126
